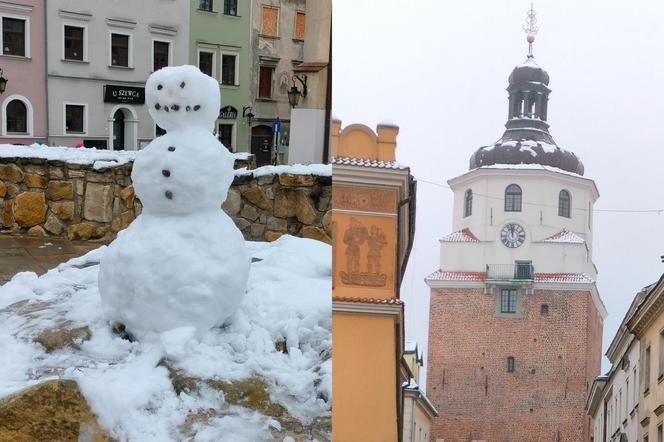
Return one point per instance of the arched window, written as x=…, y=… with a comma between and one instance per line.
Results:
x=564, y=204
x=513, y=198
x=468, y=203
x=17, y=117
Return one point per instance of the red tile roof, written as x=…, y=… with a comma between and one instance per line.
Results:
x=350, y=161
x=393, y=301
x=570, y=278
x=441, y=275
x=563, y=277
x=463, y=235
x=565, y=236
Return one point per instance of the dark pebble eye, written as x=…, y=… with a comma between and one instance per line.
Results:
x=157, y=106
x=169, y=194
x=159, y=87
x=182, y=85
x=171, y=148
x=166, y=109
x=188, y=108
x=198, y=106
x=166, y=173
x=175, y=107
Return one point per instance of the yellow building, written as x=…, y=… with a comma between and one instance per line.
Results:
x=373, y=223
x=647, y=325
x=418, y=411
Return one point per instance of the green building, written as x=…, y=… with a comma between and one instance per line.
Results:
x=219, y=44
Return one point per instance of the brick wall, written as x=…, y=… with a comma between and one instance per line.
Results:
x=52, y=198
x=556, y=357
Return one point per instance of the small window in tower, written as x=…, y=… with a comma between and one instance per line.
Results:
x=508, y=301
x=564, y=204
x=544, y=309
x=468, y=203
x=510, y=364
x=513, y=198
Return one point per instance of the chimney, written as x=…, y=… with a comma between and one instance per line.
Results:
x=387, y=142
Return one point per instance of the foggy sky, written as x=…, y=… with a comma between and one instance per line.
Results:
x=438, y=69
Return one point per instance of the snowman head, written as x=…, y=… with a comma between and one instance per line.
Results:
x=180, y=97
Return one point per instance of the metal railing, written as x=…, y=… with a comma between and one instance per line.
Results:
x=521, y=271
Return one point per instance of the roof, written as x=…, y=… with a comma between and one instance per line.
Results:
x=463, y=235
x=571, y=278
x=392, y=301
x=363, y=162
x=565, y=236
x=309, y=67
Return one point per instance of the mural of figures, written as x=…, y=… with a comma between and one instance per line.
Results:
x=355, y=237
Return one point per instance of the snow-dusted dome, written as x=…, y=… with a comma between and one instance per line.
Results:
x=527, y=139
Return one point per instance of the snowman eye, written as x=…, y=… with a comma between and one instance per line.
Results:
x=160, y=87
x=182, y=85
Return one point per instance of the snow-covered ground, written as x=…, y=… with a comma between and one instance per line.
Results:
x=288, y=299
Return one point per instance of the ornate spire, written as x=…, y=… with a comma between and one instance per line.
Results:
x=531, y=28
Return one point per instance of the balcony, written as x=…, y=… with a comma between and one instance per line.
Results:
x=518, y=272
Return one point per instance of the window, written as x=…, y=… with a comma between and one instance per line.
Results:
x=230, y=7
x=508, y=301
x=660, y=434
x=74, y=118
x=74, y=42
x=544, y=309
x=206, y=63
x=160, y=51
x=635, y=399
x=645, y=437
x=510, y=364
x=627, y=396
x=13, y=36
x=205, y=5
x=225, y=135
x=120, y=50
x=17, y=117
x=646, y=371
x=265, y=82
x=228, y=69
x=564, y=203
x=513, y=198
x=299, y=25
x=468, y=203
x=270, y=26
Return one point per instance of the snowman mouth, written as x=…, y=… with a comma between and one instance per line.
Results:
x=175, y=107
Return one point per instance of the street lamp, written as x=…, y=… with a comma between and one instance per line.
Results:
x=294, y=93
x=248, y=115
x=3, y=83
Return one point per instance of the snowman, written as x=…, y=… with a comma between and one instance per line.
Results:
x=183, y=261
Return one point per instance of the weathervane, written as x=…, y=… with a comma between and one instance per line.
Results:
x=531, y=29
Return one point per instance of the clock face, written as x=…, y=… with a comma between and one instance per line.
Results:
x=512, y=235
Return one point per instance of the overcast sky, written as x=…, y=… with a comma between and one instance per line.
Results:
x=438, y=69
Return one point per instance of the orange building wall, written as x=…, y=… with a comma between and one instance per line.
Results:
x=364, y=393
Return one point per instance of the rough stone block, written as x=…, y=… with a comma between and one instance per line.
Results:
x=98, y=204
x=256, y=196
x=64, y=210
x=37, y=231
x=249, y=212
x=128, y=195
x=8, y=214
x=3, y=189
x=11, y=173
x=233, y=202
x=60, y=190
x=56, y=173
x=271, y=235
x=53, y=225
x=290, y=180
x=315, y=233
x=35, y=181
x=30, y=208
x=81, y=231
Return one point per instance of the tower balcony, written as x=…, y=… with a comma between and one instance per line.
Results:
x=517, y=272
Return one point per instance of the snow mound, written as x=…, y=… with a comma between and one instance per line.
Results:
x=280, y=336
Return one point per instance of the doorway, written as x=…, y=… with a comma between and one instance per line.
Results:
x=261, y=144
x=119, y=130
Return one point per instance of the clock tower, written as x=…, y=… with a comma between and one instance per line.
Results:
x=515, y=326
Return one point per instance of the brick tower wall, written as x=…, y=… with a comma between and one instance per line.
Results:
x=556, y=358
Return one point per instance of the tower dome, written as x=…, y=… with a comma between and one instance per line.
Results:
x=527, y=139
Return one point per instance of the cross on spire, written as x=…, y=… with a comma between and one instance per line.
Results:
x=531, y=28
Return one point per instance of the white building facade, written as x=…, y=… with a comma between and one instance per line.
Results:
x=100, y=54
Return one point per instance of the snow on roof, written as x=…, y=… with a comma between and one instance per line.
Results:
x=530, y=167
x=441, y=275
x=97, y=158
x=526, y=145
x=351, y=161
x=463, y=235
x=565, y=236
x=126, y=387
x=295, y=169
x=570, y=278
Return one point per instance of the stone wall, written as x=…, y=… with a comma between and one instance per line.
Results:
x=52, y=198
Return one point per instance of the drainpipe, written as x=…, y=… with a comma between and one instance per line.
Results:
x=328, y=101
x=47, y=113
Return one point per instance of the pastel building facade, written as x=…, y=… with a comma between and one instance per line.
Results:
x=100, y=54
x=23, y=64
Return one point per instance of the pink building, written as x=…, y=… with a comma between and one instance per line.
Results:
x=22, y=60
